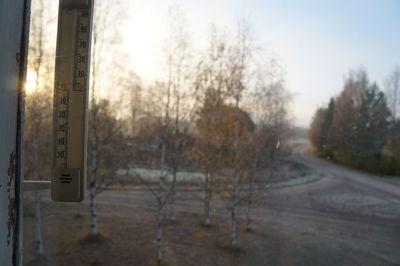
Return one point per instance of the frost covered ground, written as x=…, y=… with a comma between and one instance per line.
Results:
x=153, y=175
x=343, y=218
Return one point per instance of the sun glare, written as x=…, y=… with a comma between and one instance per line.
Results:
x=30, y=85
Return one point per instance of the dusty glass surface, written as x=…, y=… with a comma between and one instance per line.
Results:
x=224, y=133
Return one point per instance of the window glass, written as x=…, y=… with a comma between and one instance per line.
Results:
x=224, y=133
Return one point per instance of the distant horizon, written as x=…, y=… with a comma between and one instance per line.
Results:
x=317, y=42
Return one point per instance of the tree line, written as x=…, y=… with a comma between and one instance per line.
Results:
x=361, y=126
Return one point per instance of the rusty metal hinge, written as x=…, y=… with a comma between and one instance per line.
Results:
x=11, y=165
x=11, y=200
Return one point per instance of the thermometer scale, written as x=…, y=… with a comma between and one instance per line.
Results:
x=71, y=84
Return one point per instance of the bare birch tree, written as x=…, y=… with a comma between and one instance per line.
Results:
x=226, y=133
x=160, y=142
x=105, y=39
x=162, y=127
x=209, y=91
x=239, y=81
x=155, y=139
x=177, y=54
x=267, y=103
x=150, y=148
x=223, y=128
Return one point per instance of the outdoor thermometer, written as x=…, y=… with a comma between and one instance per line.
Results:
x=71, y=82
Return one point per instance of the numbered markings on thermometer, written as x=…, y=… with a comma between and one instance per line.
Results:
x=70, y=100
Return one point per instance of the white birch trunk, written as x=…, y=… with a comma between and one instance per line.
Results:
x=234, y=217
x=250, y=203
x=173, y=197
x=234, y=225
x=93, y=212
x=207, y=200
x=235, y=195
x=93, y=176
x=161, y=206
x=38, y=226
x=38, y=215
x=248, y=213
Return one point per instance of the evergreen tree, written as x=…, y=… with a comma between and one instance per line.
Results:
x=371, y=126
x=343, y=133
x=326, y=127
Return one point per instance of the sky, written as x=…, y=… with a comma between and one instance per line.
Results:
x=317, y=42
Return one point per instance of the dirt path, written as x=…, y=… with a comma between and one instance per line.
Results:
x=350, y=217
x=333, y=170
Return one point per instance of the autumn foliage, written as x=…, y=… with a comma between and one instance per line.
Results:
x=357, y=128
